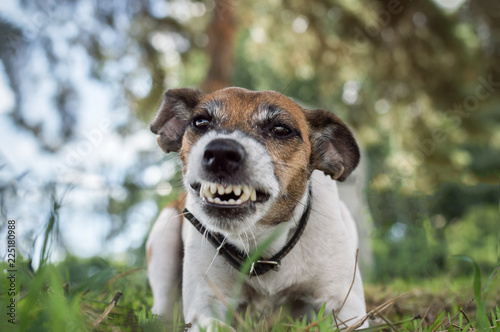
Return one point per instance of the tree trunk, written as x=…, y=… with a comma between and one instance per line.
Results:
x=220, y=49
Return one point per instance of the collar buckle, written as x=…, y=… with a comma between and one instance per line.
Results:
x=275, y=265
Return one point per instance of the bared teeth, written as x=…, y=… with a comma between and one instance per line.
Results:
x=213, y=188
x=237, y=190
x=220, y=189
x=246, y=193
x=212, y=192
x=253, y=195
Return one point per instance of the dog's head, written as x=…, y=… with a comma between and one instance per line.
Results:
x=247, y=156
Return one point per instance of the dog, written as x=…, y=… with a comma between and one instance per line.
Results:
x=260, y=175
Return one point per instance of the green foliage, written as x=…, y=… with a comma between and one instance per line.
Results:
x=62, y=298
x=41, y=302
x=475, y=235
x=420, y=244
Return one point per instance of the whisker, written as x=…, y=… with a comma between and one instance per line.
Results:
x=213, y=259
x=254, y=239
x=204, y=240
x=247, y=251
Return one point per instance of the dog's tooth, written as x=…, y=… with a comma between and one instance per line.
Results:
x=253, y=195
x=210, y=199
x=213, y=188
x=231, y=201
x=217, y=200
x=203, y=190
x=247, y=190
x=237, y=190
x=239, y=201
x=246, y=193
x=228, y=189
x=208, y=193
x=220, y=189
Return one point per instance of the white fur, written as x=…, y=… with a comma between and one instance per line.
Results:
x=164, y=267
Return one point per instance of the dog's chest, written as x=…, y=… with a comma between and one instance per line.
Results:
x=264, y=294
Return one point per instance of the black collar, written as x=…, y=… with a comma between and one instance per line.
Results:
x=236, y=258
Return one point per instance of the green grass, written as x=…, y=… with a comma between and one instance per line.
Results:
x=65, y=297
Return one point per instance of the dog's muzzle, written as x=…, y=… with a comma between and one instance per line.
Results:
x=224, y=162
x=231, y=174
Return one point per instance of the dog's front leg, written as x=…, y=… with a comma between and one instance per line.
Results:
x=164, y=255
x=205, y=302
x=208, y=287
x=348, y=312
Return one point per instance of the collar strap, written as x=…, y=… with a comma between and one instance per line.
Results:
x=237, y=258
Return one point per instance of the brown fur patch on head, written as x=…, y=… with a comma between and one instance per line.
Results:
x=256, y=113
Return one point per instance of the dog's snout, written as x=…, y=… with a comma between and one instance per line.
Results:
x=223, y=156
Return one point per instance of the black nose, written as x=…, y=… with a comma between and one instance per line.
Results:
x=223, y=156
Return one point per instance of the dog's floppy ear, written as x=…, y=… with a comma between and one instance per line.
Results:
x=173, y=116
x=334, y=149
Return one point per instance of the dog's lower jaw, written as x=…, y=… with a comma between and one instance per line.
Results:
x=228, y=219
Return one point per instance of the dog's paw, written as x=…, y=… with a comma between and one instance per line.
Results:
x=213, y=325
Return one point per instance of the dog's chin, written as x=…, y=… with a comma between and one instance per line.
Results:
x=232, y=211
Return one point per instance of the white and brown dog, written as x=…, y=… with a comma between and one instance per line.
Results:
x=257, y=169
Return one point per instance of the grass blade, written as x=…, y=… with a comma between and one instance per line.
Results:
x=481, y=316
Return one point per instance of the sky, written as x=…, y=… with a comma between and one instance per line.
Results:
x=95, y=162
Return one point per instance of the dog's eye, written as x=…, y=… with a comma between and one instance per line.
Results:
x=281, y=131
x=201, y=122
